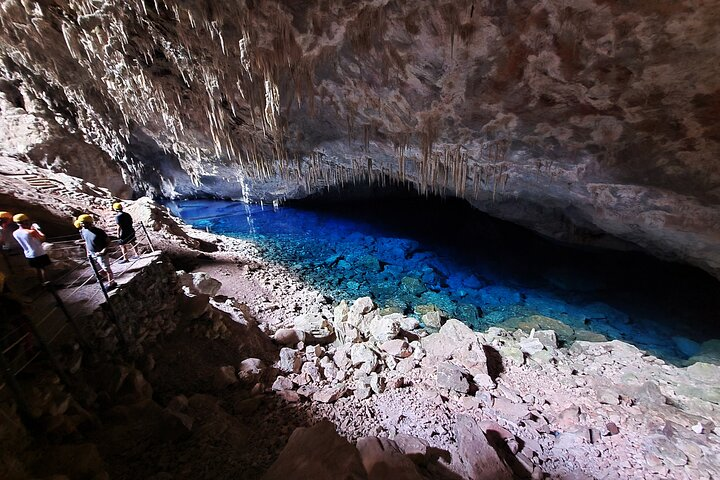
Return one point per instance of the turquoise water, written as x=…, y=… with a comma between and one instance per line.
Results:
x=413, y=253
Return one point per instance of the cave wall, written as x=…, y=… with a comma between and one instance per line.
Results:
x=576, y=118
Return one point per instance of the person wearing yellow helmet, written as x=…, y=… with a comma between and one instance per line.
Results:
x=125, y=232
x=30, y=237
x=6, y=228
x=97, y=244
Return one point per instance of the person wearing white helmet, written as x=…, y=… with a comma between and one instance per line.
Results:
x=30, y=237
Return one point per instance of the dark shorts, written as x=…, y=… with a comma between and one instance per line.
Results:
x=39, y=262
x=127, y=237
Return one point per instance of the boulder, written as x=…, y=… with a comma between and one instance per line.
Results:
x=282, y=383
x=383, y=459
x=361, y=306
x=193, y=306
x=513, y=355
x=432, y=319
x=290, y=360
x=397, y=348
x=361, y=354
x=412, y=285
x=250, y=368
x=386, y=327
x=341, y=357
x=199, y=283
x=458, y=332
x=476, y=454
x=224, y=377
x=704, y=372
x=329, y=394
x=318, y=453
x=547, y=337
x=289, y=337
x=438, y=347
x=531, y=345
x=414, y=448
x=362, y=388
x=314, y=324
x=409, y=323
x=452, y=377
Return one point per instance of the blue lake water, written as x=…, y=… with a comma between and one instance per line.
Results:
x=412, y=254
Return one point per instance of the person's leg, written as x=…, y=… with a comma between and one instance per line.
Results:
x=108, y=269
x=40, y=274
x=123, y=249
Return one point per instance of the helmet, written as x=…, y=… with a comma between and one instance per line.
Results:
x=85, y=218
x=77, y=224
x=20, y=217
x=6, y=215
x=117, y=206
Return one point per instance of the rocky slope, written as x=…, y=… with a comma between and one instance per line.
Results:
x=244, y=387
x=579, y=119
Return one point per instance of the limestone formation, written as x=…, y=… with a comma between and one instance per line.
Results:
x=588, y=121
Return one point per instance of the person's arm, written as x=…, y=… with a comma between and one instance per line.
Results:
x=36, y=232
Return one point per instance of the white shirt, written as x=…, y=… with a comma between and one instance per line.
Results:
x=32, y=247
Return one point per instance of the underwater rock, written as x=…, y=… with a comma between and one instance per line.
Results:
x=437, y=301
x=588, y=336
x=540, y=322
x=432, y=319
x=413, y=286
x=686, y=346
x=368, y=263
x=468, y=313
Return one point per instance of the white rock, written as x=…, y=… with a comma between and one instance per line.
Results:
x=361, y=306
x=386, y=327
x=531, y=346
x=397, y=348
x=290, y=361
x=361, y=354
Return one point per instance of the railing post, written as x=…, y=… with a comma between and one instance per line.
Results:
x=142, y=224
x=109, y=310
x=59, y=303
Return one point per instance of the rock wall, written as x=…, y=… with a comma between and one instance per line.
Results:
x=556, y=115
x=146, y=308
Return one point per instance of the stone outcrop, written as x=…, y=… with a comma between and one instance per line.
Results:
x=578, y=120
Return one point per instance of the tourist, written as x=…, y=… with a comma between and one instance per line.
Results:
x=96, y=244
x=6, y=229
x=125, y=232
x=30, y=237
